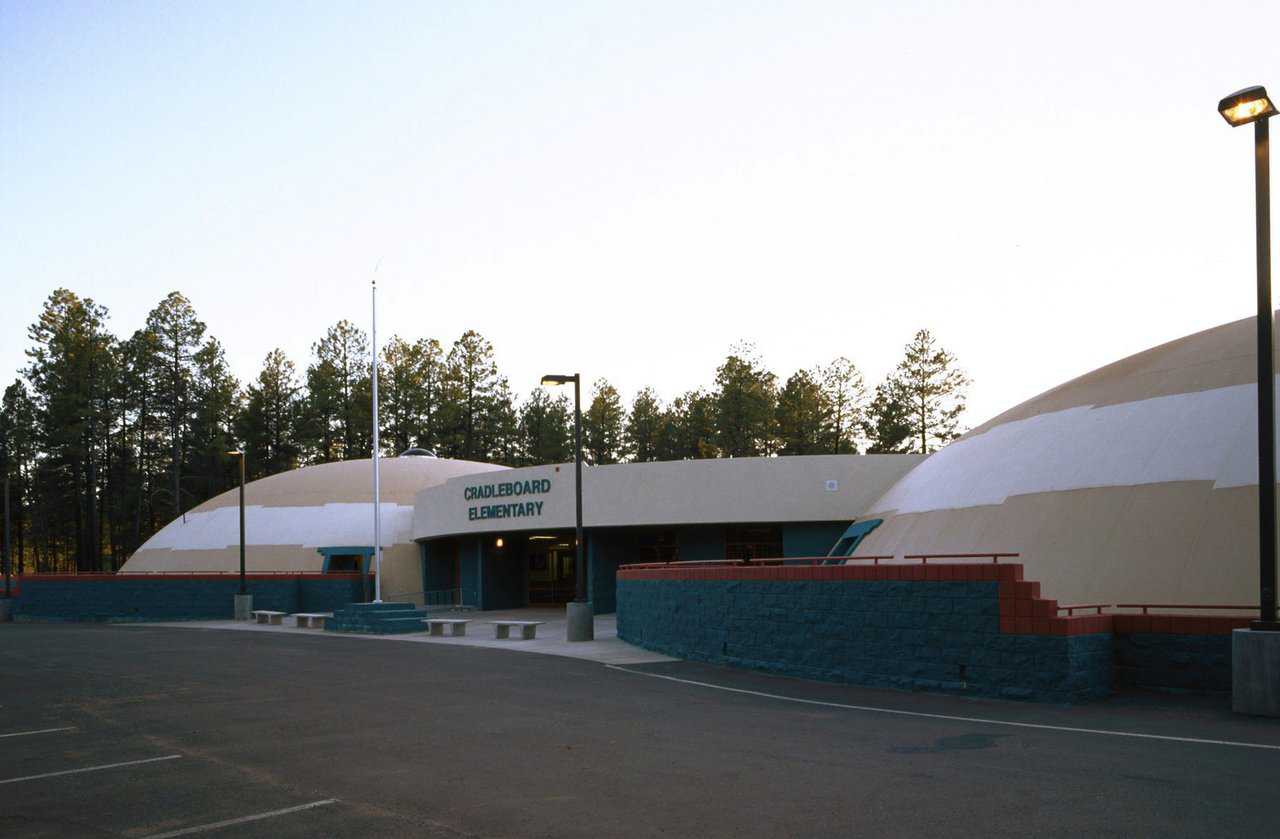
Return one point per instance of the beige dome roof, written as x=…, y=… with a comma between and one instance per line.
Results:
x=289, y=515
x=1134, y=483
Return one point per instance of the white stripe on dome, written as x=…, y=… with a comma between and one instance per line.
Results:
x=324, y=526
x=1207, y=435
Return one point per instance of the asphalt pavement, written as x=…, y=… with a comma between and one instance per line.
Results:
x=144, y=731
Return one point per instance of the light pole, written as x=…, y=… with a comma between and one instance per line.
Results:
x=1241, y=108
x=243, y=600
x=581, y=621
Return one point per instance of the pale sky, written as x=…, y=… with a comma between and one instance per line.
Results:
x=629, y=188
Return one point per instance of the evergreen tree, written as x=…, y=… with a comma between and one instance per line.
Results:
x=644, y=424
x=546, y=429
x=887, y=423
x=177, y=334
x=925, y=394
x=268, y=424
x=409, y=394
x=500, y=426
x=688, y=430
x=338, y=412
x=845, y=395
x=803, y=416
x=471, y=379
x=70, y=373
x=602, y=425
x=745, y=398
x=217, y=404
x=17, y=459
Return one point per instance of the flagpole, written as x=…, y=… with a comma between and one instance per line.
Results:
x=377, y=498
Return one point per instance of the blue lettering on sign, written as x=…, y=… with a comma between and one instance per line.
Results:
x=505, y=511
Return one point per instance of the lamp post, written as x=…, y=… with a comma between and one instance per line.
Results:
x=581, y=623
x=1252, y=105
x=243, y=600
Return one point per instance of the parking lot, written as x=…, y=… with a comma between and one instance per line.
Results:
x=143, y=731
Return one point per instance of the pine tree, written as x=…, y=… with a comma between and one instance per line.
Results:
x=688, y=429
x=338, y=412
x=17, y=459
x=546, y=429
x=845, y=395
x=602, y=425
x=268, y=425
x=924, y=396
x=70, y=373
x=471, y=377
x=802, y=415
x=178, y=333
x=644, y=424
x=745, y=397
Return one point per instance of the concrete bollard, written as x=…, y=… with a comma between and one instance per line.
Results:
x=581, y=620
x=1255, y=672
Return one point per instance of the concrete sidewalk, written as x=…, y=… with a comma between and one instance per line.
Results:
x=607, y=648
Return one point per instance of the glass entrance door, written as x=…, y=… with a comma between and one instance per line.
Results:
x=550, y=572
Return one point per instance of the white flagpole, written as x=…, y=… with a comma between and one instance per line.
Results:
x=377, y=499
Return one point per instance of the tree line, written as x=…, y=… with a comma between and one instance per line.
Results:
x=105, y=439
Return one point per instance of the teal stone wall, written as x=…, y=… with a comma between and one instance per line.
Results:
x=156, y=597
x=913, y=635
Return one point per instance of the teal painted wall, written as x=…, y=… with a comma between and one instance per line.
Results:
x=469, y=572
x=810, y=538
x=605, y=552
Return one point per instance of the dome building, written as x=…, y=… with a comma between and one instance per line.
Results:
x=317, y=518
x=1136, y=483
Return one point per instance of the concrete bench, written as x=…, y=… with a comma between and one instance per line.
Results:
x=457, y=626
x=528, y=629
x=311, y=620
x=268, y=616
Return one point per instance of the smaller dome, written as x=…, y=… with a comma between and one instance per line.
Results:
x=417, y=452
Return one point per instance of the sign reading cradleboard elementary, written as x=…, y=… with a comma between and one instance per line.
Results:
x=526, y=491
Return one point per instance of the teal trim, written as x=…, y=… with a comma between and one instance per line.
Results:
x=853, y=536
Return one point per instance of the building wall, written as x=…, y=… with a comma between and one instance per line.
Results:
x=671, y=493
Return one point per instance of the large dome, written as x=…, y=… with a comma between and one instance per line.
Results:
x=1134, y=483
x=289, y=516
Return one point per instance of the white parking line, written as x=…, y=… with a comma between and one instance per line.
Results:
x=201, y=828
x=88, y=769
x=898, y=712
x=38, y=731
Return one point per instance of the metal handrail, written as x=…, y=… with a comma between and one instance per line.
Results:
x=1070, y=609
x=814, y=560
x=994, y=557
x=1145, y=606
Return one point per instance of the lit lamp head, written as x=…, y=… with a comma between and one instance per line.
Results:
x=1246, y=106
x=557, y=379
x=236, y=453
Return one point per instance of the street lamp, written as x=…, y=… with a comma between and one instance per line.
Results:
x=1241, y=108
x=581, y=622
x=243, y=600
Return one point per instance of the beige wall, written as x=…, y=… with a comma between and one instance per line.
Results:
x=723, y=491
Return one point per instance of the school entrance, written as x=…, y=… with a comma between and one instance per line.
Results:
x=549, y=560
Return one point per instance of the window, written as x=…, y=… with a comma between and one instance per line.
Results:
x=753, y=542
x=344, y=563
x=657, y=546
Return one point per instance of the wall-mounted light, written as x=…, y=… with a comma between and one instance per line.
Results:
x=498, y=543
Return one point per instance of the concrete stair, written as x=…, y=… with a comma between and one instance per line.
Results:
x=377, y=619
